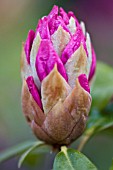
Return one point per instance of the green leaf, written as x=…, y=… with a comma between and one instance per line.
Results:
x=36, y=156
x=106, y=123
x=69, y=159
x=15, y=150
x=43, y=149
x=101, y=114
x=33, y=159
x=102, y=89
x=33, y=147
x=99, y=121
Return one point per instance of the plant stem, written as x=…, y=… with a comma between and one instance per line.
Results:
x=83, y=142
x=85, y=138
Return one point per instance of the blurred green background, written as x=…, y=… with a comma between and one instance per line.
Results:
x=16, y=18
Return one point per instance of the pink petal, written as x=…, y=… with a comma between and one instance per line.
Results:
x=28, y=44
x=64, y=16
x=43, y=28
x=72, y=46
x=46, y=59
x=84, y=82
x=54, y=12
x=55, y=22
x=34, y=90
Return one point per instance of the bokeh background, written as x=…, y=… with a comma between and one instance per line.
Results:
x=16, y=18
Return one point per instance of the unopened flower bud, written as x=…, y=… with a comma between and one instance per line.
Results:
x=58, y=62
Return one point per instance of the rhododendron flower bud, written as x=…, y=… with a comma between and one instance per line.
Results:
x=58, y=62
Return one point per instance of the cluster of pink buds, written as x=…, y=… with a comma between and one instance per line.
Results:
x=58, y=63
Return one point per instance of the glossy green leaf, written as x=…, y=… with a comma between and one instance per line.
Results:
x=102, y=89
x=37, y=155
x=69, y=159
x=33, y=147
x=15, y=150
x=43, y=149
